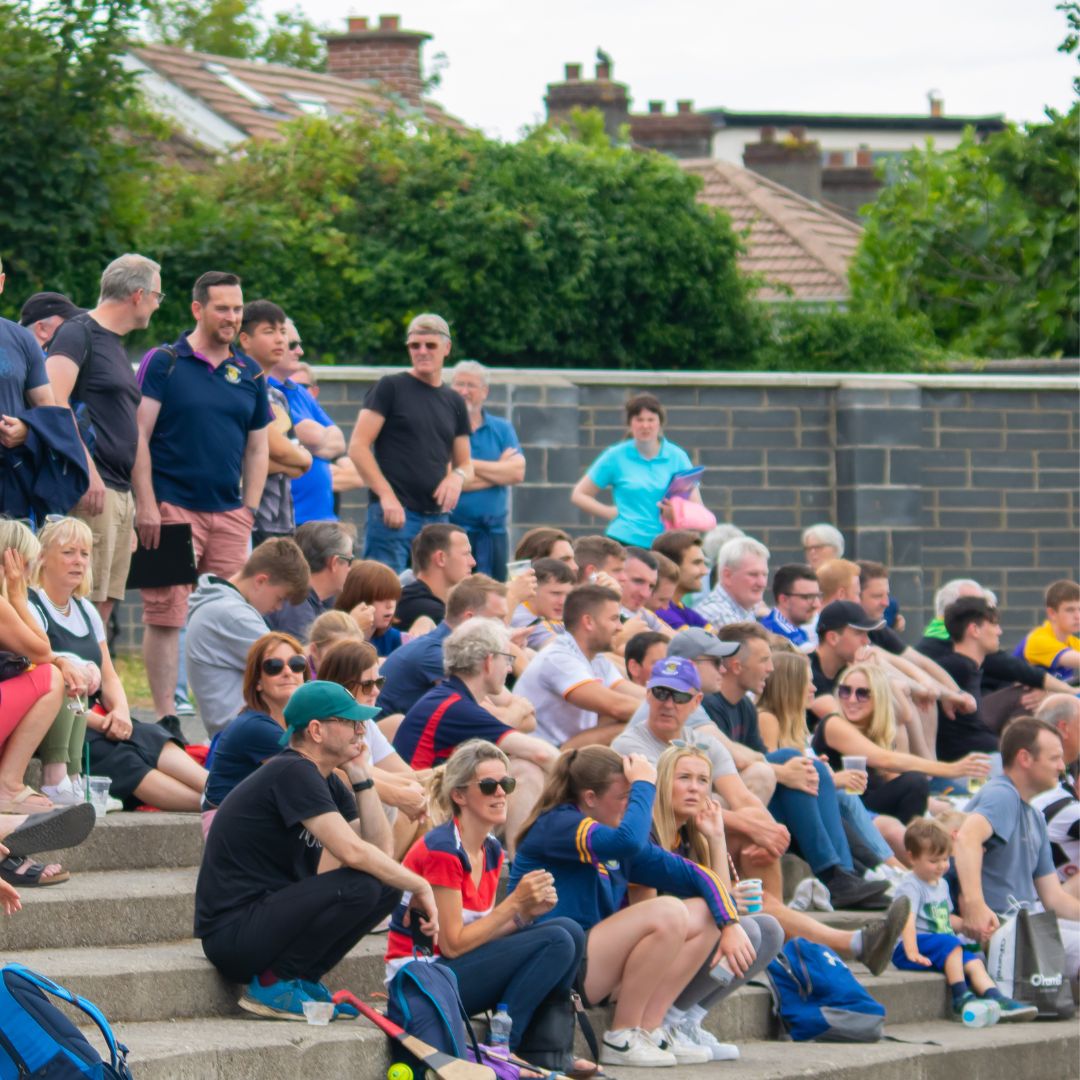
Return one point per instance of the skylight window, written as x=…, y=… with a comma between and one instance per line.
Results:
x=311, y=104
x=238, y=85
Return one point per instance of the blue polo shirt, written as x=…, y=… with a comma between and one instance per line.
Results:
x=207, y=413
x=487, y=508
x=412, y=670
x=312, y=493
x=637, y=486
x=440, y=721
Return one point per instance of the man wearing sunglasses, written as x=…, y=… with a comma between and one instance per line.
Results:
x=266, y=916
x=411, y=446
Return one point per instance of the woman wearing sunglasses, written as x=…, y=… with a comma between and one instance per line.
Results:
x=898, y=782
x=145, y=764
x=354, y=664
x=499, y=952
x=275, y=667
x=591, y=831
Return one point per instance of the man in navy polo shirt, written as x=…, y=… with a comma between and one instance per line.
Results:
x=498, y=463
x=203, y=416
x=313, y=494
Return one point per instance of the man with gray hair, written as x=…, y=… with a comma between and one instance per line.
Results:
x=477, y=659
x=411, y=446
x=89, y=370
x=742, y=574
x=821, y=543
x=498, y=463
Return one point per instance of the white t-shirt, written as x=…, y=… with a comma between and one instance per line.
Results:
x=554, y=673
x=73, y=621
x=639, y=739
x=378, y=745
x=1063, y=829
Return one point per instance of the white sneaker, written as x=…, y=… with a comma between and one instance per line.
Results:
x=182, y=704
x=670, y=1038
x=695, y=1033
x=632, y=1046
x=882, y=873
x=64, y=793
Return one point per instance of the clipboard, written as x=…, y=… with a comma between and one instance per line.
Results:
x=172, y=562
x=682, y=483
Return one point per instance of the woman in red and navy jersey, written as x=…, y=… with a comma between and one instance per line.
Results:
x=499, y=952
x=590, y=829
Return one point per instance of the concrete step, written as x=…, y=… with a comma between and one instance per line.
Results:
x=220, y=1049
x=135, y=841
x=173, y=981
x=118, y=907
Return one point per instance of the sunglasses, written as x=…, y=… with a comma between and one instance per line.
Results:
x=859, y=693
x=293, y=346
x=275, y=665
x=367, y=686
x=665, y=693
x=488, y=785
x=428, y=346
x=683, y=744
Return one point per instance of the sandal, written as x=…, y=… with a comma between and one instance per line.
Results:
x=63, y=827
x=15, y=804
x=31, y=876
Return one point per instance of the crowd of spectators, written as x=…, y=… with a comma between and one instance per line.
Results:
x=633, y=722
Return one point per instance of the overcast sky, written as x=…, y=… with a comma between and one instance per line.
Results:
x=990, y=56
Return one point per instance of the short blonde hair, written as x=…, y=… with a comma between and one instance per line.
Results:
x=15, y=535
x=65, y=531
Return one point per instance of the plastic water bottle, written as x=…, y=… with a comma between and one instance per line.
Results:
x=499, y=1036
x=981, y=1013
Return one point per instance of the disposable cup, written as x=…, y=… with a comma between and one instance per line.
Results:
x=99, y=794
x=854, y=762
x=318, y=1013
x=749, y=890
x=517, y=567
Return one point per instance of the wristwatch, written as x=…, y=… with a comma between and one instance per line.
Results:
x=363, y=785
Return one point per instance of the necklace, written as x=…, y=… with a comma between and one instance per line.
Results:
x=64, y=611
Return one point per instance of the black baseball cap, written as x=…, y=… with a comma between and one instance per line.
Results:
x=841, y=613
x=44, y=305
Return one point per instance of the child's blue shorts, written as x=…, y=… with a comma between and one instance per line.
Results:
x=936, y=949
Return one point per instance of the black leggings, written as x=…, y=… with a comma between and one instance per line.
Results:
x=904, y=797
x=303, y=930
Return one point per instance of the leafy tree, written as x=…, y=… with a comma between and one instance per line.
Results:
x=71, y=188
x=237, y=28
x=550, y=251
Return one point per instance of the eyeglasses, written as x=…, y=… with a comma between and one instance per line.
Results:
x=803, y=595
x=158, y=296
x=507, y=656
x=859, y=693
x=274, y=665
x=349, y=558
x=368, y=686
x=665, y=693
x=489, y=785
x=356, y=725
x=417, y=346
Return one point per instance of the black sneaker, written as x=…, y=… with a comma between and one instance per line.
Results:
x=848, y=891
x=880, y=936
x=172, y=725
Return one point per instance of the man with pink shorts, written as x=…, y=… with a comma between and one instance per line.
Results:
x=203, y=417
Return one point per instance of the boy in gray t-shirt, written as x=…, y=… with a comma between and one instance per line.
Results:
x=929, y=941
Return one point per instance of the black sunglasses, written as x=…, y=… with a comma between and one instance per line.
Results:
x=665, y=693
x=274, y=665
x=859, y=693
x=488, y=785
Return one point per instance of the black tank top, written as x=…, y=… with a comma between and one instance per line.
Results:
x=62, y=640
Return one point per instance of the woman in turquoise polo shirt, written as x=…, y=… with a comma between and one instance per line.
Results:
x=638, y=471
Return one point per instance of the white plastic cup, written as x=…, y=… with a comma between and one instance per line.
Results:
x=517, y=568
x=854, y=762
x=750, y=892
x=318, y=1013
x=99, y=794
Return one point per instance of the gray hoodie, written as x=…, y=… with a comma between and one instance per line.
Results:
x=221, y=628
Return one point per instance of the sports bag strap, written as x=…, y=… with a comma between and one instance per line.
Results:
x=117, y=1051
x=585, y=1025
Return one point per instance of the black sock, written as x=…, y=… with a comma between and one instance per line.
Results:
x=958, y=990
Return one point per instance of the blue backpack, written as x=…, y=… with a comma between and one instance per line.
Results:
x=817, y=998
x=38, y=1040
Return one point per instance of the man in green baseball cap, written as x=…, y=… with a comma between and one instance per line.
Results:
x=265, y=914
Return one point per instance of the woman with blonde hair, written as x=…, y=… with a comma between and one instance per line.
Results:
x=329, y=627
x=499, y=952
x=898, y=782
x=143, y=762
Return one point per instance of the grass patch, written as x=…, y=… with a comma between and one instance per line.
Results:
x=132, y=672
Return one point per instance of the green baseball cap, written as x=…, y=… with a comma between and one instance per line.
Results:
x=321, y=700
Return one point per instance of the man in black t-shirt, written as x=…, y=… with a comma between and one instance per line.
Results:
x=411, y=446
x=441, y=557
x=265, y=915
x=89, y=370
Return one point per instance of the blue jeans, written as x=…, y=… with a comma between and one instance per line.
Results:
x=814, y=822
x=862, y=821
x=520, y=969
x=394, y=546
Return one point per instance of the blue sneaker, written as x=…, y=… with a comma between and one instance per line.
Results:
x=284, y=1000
x=318, y=992
x=1015, y=1012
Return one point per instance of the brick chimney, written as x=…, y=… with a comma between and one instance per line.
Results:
x=383, y=54
x=682, y=134
x=937, y=105
x=601, y=93
x=793, y=161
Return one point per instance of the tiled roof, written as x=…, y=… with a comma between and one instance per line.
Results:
x=274, y=82
x=791, y=241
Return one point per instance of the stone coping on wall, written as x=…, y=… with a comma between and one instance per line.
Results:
x=771, y=379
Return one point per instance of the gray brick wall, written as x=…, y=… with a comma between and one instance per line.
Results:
x=937, y=476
